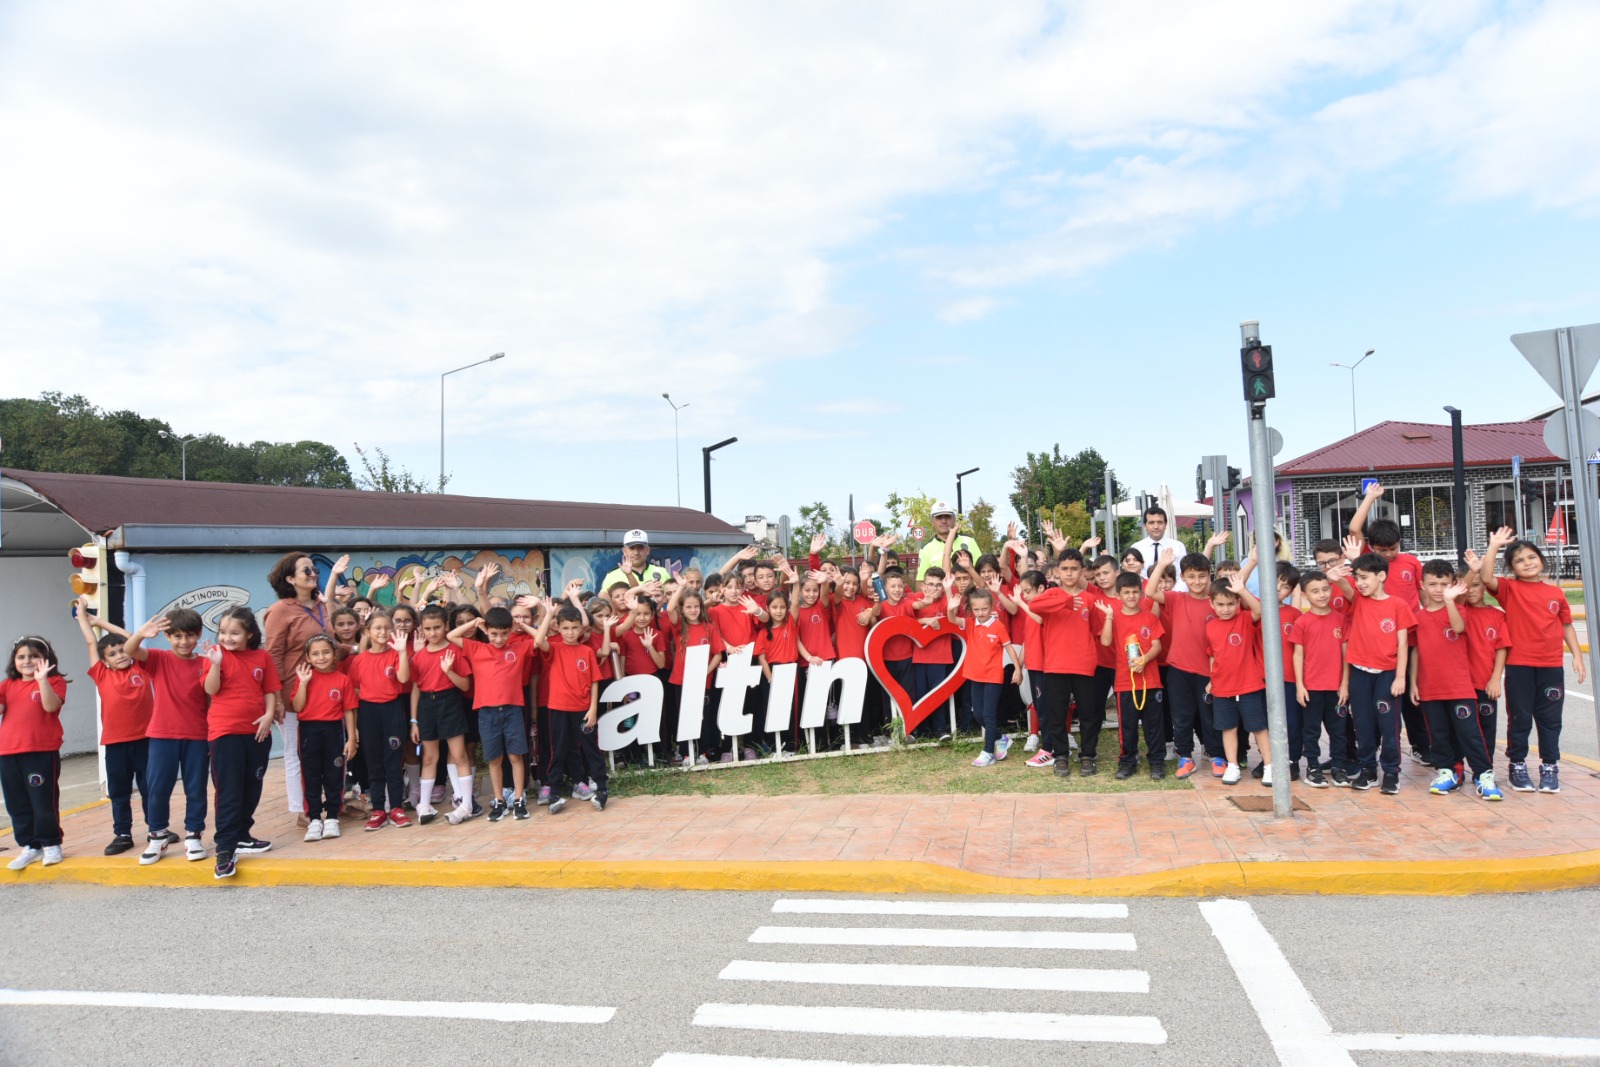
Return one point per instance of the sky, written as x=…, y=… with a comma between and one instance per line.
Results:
x=878, y=244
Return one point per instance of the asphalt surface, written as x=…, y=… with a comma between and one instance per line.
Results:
x=1512, y=965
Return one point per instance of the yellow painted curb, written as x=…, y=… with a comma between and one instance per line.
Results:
x=1582, y=761
x=1399, y=878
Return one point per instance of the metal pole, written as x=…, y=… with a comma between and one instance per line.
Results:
x=705, y=457
x=1583, y=490
x=1458, y=458
x=183, y=458
x=1219, y=520
x=441, y=430
x=1263, y=478
x=1110, y=542
x=677, y=456
x=1516, y=492
x=1353, y=423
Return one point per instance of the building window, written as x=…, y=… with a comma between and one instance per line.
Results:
x=1425, y=514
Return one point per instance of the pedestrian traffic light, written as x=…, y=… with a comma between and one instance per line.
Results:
x=1258, y=384
x=1094, y=497
x=1234, y=479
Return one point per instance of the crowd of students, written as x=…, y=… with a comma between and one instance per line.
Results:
x=373, y=699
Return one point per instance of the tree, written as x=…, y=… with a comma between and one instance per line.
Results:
x=814, y=519
x=1048, y=479
x=1072, y=522
x=379, y=474
x=980, y=520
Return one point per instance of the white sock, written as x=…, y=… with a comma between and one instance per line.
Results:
x=466, y=783
x=455, y=782
x=425, y=794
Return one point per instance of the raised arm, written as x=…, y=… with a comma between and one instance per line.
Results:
x=134, y=645
x=86, y=628
x=1358, y=521
x=1497, y=543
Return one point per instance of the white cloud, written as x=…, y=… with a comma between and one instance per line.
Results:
x=969, y=309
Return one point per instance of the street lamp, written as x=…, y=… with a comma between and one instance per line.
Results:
x=183, y=450
x=1458, y=459
x=705, y=456
x=959, y=509
x=677, y=462
x=1351, y=367
x=442, y=377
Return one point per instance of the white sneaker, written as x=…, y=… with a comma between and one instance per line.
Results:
x=194, y=848
x=1266, y=775
x=1002, y=747
x=314, y=830
x=1231, y=775
x=983, y=760
x=155, y=849
x=330, y=828
x=27, y=856
x=701, y=761
x=52, y=855
x=459, y=814
x=1031, y=744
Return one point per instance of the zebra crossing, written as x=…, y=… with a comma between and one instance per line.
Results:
x=1074, y=933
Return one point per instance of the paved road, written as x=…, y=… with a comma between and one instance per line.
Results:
x=759, y=979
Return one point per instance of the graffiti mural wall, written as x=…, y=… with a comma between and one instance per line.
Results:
x=593, y=564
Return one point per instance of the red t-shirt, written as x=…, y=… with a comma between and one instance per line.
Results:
x=497, y=673
x=179, y=712
x=1371, y=641
x=1186, y=618
x=897, y=647
x=1067, y=633
x=1444, y=665
x=25, y=726
x=1339, y=604
x=1487, y=634
x=849, y=635
x=1537, y=613
x=427, y=668
x=573, y=674
x=1234, y=646
x=986, y=649
x=1287, y=614
x=247, y=678
x=376, y=676
x=595, y=641
x=1404, y=579
x=635, y=654
x=1322, y=636
x=1032, y=637
x=329, y=695
x=936, y=646
x=736, y=625
x=126, y=701
x=1104, y=656
x=528, y=649
x=1142, y=626
x=779, y=644
x=816, y=629
x=700, y=633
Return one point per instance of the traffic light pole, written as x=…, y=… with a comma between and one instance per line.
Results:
x=1110, y=543
x=1263, y=478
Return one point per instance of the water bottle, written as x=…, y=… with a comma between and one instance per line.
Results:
x=879, y=588
x=1134, y=652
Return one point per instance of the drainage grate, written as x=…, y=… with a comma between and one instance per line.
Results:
x=1263, y=803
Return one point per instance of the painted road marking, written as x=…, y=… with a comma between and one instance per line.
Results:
x=1066, y=980
x=909, y=937
x=1298, y=1030
x=437, y=1009
x=950, y=908
x=1485, y=1044
x=707, y=1059
x=920, y=1023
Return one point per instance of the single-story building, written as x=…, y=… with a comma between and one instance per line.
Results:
x=209, y=545
x=1505, y=462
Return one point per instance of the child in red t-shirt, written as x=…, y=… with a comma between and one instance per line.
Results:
x=1541, y=631
x=574, y=705
x=325, y=700
x=381, y=677
x=177, y=730
x=1376, y=650
x=1238, y=675
x=1488, y=645
x=1316, y=642
x=1441, y=684
x=984, y=668
x=30, y=750
x=243, y=685
x=687, y=611
x=1134, y=636
x=500, y=673
x=439, y=711
x=126, y=700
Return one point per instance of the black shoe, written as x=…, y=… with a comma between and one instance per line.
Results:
x=1158, y=770
x=1391, y=784
x=599, y=800
x=1258, y=770
x=119, y=844
x=519, y=808
x=1316, y=779
x=497, y=810
x=1087, y=767
x=1062, y=769
x=1294, y=771
x=477, y=809
x=426, y=819
x=250, y=846
x=225, y=866
x=557, y=803
x=1340, y=778
x=1362, y=779
x=1124, y=772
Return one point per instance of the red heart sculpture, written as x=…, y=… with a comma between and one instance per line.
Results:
x=905, y=626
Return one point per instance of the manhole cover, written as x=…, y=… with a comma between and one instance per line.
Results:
x=1263, y=803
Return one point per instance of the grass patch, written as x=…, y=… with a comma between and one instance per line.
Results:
x=945, y=769
x=1574, y=596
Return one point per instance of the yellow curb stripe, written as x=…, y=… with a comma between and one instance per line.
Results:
x=1408, y=878
x=1582, y=761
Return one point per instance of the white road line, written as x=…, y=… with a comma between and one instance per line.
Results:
x=1486, y=1044
x=437, y=1009
x=1580, y=695
x=908, y=1022
x=926, y=938
x=1300, y=1034
x=925, y=976
x=950, y=908
x=707, y=1059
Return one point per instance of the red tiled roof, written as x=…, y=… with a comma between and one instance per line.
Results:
x=1398, y=446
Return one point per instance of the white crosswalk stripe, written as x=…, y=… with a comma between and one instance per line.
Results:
x=980, y=1016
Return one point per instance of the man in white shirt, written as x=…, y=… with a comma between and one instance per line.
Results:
x=1156, y=540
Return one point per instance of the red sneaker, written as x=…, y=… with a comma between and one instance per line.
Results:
x=377, y=819
x=399, y=817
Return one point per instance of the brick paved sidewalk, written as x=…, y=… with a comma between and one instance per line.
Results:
x=1073, y=836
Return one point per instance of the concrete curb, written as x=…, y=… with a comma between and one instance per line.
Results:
x=1399, y=878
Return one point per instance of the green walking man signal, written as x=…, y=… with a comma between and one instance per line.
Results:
x=1258, y=384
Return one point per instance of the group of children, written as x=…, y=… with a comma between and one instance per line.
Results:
x=1372, y=640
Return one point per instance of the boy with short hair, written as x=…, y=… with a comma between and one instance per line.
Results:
x=1376, y=648
x=931, y=660
x=176, y=736
x=1185, y=613
x=125, y=706
x=1238, y=676
x=1317, y=640
x=1134, y=635
x=1070, y=659
x=1488, y=646
x=574, y=704
x=1441, y=684
x=500, y=677
x=897, y=650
